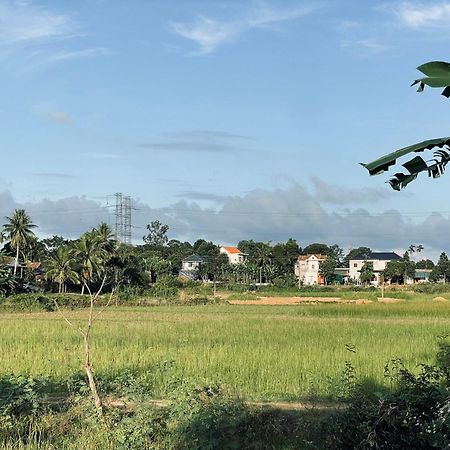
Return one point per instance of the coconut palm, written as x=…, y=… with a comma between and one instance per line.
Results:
x=18, y=230
x=61, y=268
x=106, y=237
x=91, y=256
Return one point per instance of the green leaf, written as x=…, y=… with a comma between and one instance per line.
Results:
x=381, y=164
x=434, y=82
x=435, y=69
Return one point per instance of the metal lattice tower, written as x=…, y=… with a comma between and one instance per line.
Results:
x=127, y=219
x=119, y=217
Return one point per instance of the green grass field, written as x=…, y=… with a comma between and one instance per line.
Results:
x=262, y=352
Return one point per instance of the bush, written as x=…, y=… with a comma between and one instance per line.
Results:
x=431, y=288
x=414, y=415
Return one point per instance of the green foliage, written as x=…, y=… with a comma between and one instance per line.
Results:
x=166, y=287
x=414, y=414
x=366, y=273
x=7, y=281
x=157, y=234
x=327, y=268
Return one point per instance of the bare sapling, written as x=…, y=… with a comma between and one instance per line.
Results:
x=86, y=335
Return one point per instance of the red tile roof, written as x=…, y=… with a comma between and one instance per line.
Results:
x=232, y=249
x=318, y=256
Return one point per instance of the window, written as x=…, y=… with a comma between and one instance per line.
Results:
x=313, y=266
x=355, y=265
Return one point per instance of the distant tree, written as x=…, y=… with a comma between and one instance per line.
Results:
x=366, y=272
x=61, y=268
x=270, y=272
x=52, y=244
x=317, y=249
x=394, y=271
x=19, y=232
x=327, y=268
x=338, y=254
x=425, y=264
x=397, y=271
x=7, y=280
x=91, y=257
x=157, y=235
x=360, y=251
x=442, y=269
x=285, y=256
x=409, y=267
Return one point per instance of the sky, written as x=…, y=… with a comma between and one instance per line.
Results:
x=227, y=120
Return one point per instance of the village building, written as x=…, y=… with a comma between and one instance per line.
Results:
x=235, y=256
x=378, y=260
x=190, y=267
x=307, y=269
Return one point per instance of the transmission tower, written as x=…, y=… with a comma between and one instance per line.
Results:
x=127, y=219
x=123, y=218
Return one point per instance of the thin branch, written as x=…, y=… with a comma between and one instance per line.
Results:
x=67, y=320
x=107, y=304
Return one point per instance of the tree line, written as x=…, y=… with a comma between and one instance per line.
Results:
x=74, y=264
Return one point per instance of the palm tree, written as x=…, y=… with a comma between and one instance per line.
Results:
x=19, y=232
x=60, y=268
x=106, y=237
x=91, y=256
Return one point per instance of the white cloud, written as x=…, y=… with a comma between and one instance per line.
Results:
x=422, y=14
x=33, y=34
x=77, y=54
x=366, y=45
x=210, y=33
x=23, y=22
x=260, y=215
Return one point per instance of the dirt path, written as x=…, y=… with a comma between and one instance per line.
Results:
x=285, y=406
x=296, y=301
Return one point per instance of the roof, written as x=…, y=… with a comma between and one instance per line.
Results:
x=232, y=250
x=422, y=273
x=317, y=255
x=378, y=256
x=194, y=258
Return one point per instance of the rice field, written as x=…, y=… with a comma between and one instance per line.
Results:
x=262, y=352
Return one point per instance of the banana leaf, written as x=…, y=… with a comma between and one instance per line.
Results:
x=382, y=164
x=437, y=76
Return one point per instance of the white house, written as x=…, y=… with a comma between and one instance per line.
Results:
x=307, y=269
x=379, y=261
x=235, y=256
x=190, y=266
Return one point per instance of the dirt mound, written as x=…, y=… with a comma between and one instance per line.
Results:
x=361, y=301
x=440, y=299
x=295, y=301
x=389, y=300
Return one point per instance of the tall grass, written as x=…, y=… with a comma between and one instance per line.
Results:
x=263, y=352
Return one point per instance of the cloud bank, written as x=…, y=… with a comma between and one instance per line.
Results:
x=266, y=215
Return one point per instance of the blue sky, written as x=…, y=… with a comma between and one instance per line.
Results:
x=225, y=119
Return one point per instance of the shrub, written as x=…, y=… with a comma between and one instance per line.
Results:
x=414, y=415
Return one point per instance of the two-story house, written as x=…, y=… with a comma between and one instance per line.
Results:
x=235, y=256
x=378, y=260
x=307, y=269
x=190, y=266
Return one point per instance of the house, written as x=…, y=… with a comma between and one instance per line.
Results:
x=307, y=269
x=190, y=266
x=235, y=256
x=420, y=276
x=378, y=260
